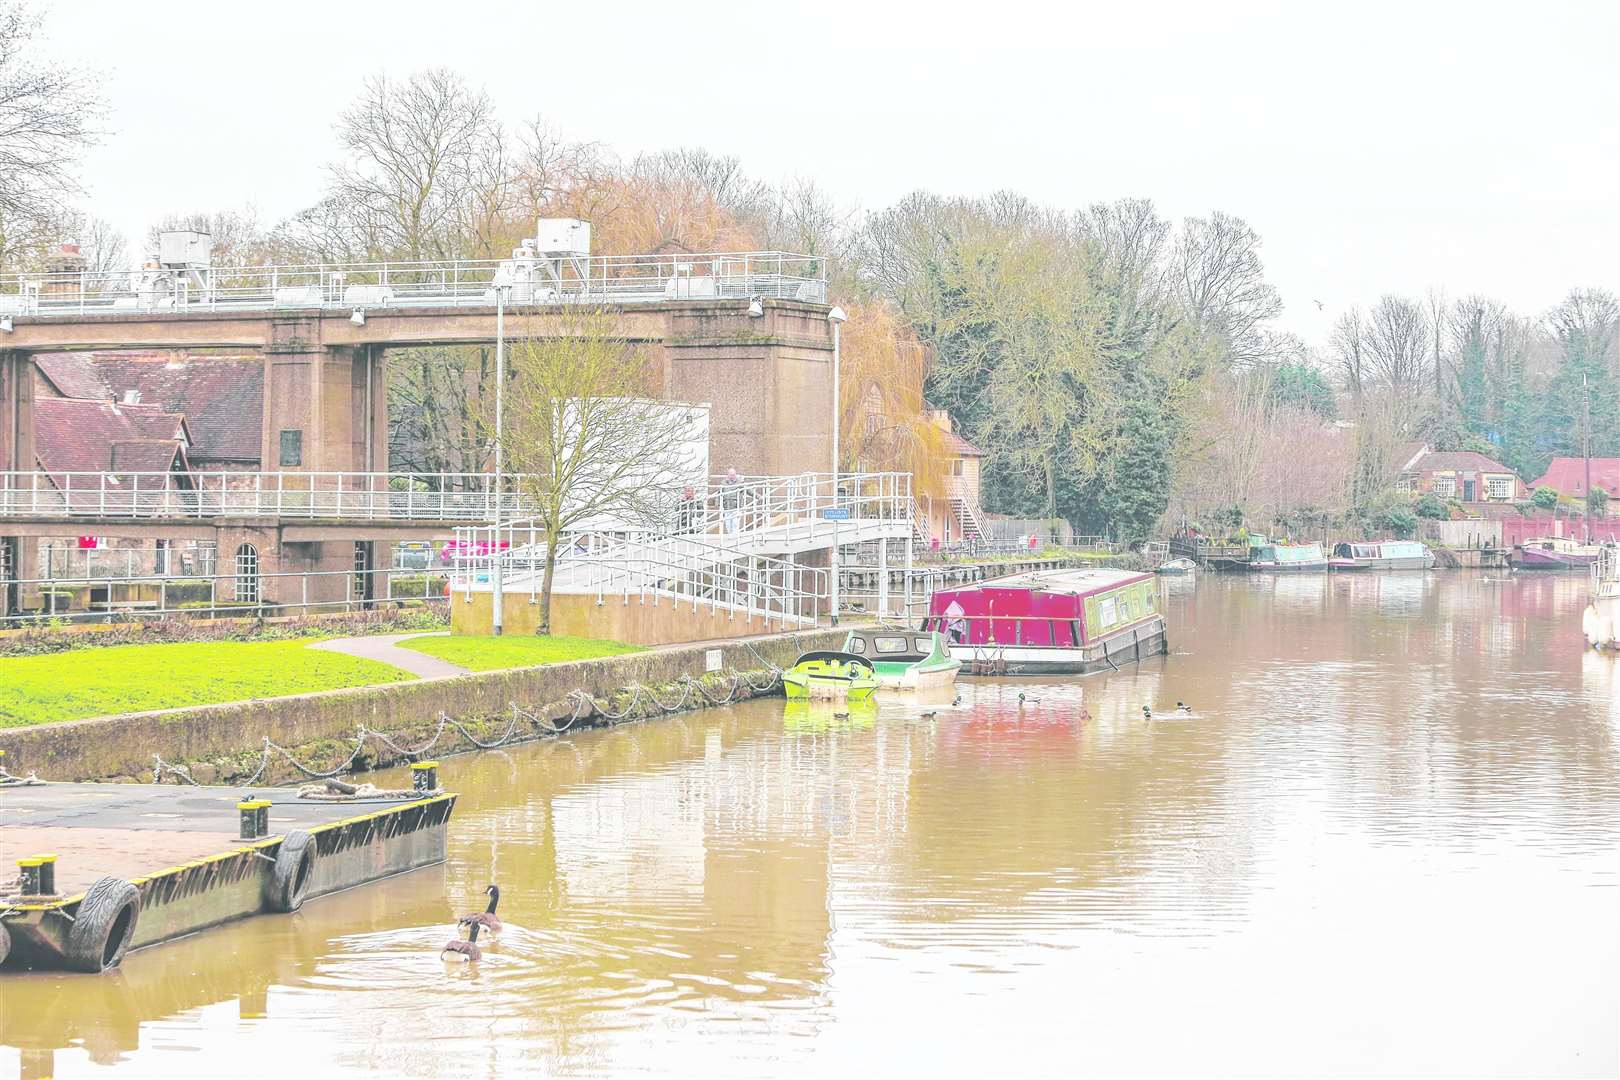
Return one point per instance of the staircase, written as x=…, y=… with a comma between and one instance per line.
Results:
x=965, y=509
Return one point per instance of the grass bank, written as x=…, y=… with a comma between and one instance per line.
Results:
x=137, y=678
x=477, y=653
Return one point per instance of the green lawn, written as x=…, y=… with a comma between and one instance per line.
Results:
x=519, y=650
x=135, y=678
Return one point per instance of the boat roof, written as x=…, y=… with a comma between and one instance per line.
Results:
x=1081, y=581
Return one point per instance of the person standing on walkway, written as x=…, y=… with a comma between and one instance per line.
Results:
x=731, y=500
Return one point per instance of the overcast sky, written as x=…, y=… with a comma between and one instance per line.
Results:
x=1377, y=147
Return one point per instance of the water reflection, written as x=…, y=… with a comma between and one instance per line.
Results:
x=1398, y=798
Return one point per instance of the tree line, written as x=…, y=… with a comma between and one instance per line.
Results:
x=1119, y=369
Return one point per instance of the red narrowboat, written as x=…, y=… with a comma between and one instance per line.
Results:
x=1051, y=622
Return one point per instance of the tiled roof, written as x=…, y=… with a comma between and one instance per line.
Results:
x=145, y=455
x=222, y=397
x=1454, y=460
x=72, y=375
x=1568, y=475
x=960, y=446
x=73, y=435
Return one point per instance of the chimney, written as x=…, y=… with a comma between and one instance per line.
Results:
x=63, y=268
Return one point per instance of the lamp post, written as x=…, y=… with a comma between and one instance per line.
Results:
x=497, y=596
x=837, y=317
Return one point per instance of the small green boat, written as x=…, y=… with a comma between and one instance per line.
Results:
x=905, y=659
x=830, y=675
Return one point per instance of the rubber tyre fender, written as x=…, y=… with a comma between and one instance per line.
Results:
x=290, y=877
x=5, y=943
x=103, y=926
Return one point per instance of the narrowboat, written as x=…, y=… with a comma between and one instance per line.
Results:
x=1554, y=553
x=1601, y=619
x=905, y=659
x=830, y=675
x=1275, y=558
x=1381, y=555
x=1051, y=622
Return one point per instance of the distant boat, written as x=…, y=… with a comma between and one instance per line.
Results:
x=905, y=659
x=1273, y=558
x=1554, y=553
x=1381, y=555
x=1176, y=566
x=1051, y=622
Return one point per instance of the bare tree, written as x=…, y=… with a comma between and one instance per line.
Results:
x=1398, y=347
x=1218, y=277
x=1348, y=343
x=47, y=115
x=581, y=425
x=237, y=234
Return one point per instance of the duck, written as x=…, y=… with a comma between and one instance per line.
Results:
x=486, y=918
x=840, y=716
x=1147, y=712
x=1183, y=707
x=1031, y=700
x=930, y=715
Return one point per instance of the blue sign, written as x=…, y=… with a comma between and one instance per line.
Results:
x=835, y=513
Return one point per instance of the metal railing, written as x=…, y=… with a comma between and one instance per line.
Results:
x=602, y=279
x=223, y=595
x=366, y=496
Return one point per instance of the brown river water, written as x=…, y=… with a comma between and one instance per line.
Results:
x=1386, y=843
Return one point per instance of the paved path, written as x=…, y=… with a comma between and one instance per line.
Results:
x=385, y=648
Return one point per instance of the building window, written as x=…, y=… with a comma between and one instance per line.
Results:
x=292, y=447
x=956, y=466
x=1445, y=487
x=1406, y=483
x=1499, y=488
x=247, y=574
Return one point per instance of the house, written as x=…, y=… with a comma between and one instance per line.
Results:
x=221, y=397
x=1567, y=476
x=73, y=435
x=1462, y=475
x=957, y=516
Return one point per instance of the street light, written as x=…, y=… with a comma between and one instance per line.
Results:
x=837, y=317
x=497, y=597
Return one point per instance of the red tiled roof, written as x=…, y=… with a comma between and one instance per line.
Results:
x=72, y=435
x=1454, y=460
x=72, y=375
x=145, y=455
x=960, y=446
x=1567, y=475
x=222, y=397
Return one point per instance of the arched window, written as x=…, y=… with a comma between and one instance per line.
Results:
x=247, y=574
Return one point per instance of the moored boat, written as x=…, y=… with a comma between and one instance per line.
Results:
x=1274, y=558
x=1176, y=566
x=1381, y=555
x=1554, y=553
x=1600, y=622
x=1051, y=622
x=905, y=659
x=830, y=675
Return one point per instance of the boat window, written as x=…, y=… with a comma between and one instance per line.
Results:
x=857, y=645
x=894, y=644
x=1148, y=599
x=1105, y=610
x=923, y=645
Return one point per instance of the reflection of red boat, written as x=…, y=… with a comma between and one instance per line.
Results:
x=1554, y=553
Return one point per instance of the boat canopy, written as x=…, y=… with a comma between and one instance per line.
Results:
x=1382, y=549
x=908, y=646
x=1288, y=553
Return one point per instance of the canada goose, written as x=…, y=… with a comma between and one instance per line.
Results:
x=466, y=950
x=486, y=918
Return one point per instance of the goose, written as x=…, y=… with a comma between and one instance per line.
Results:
x=464, y=949
x=486, y=918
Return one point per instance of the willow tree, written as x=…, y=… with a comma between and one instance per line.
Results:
x=594, y=448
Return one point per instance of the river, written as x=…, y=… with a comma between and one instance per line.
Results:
x=1385, y=843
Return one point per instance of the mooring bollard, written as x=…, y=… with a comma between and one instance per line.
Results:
x=255, y=818
x=38, y=875
x=425, y=776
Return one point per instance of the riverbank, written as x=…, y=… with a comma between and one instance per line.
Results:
x=372, y=726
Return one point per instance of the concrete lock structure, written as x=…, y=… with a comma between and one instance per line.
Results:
x=762, y=364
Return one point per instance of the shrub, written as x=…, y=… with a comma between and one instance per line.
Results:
x=1544, y=497
x=1430, y=506
x=1597, y=502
